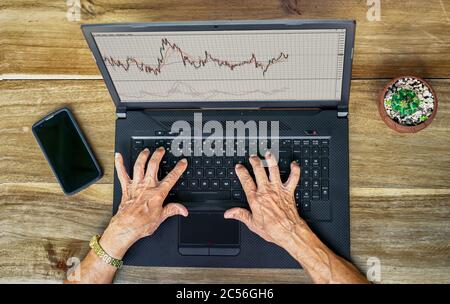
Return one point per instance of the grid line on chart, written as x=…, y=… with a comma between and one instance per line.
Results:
x=226, y=66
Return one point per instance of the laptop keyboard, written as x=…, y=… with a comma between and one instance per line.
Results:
x=213, y=178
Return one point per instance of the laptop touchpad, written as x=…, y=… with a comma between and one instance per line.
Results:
x=208, y=233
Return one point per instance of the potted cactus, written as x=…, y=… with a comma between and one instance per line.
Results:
x=407, y=104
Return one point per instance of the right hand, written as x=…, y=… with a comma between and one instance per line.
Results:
x=273, y=214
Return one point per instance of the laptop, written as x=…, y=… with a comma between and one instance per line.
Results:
x=186, y=81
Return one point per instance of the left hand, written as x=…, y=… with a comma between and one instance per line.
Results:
x=141, y=210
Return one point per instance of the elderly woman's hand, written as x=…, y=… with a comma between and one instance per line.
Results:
x=141, y=210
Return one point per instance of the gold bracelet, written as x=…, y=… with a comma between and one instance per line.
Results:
x=95, y=246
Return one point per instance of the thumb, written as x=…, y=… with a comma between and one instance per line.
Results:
x=240, y=214
x=173, y=209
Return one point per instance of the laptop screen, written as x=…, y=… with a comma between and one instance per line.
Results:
x=199, y=66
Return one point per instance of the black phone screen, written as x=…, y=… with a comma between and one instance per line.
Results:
x=66, y=150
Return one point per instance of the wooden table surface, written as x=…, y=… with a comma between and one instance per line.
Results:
x=400, y=194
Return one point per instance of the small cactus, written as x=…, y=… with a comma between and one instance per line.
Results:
x=405, y=102
x=409, y=101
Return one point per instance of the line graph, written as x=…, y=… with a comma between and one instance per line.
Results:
x=168, y=48
x=184, y=89
x=232, y=66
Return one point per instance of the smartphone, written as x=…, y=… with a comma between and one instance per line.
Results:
x=67, y=151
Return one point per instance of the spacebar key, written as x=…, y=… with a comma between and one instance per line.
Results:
x=192, y=196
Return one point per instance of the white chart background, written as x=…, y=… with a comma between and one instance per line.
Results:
x=312, y=71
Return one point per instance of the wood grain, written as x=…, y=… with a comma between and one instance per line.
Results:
x=400, y=194
x=412, y=37
x=400, y=198
x=374, y=148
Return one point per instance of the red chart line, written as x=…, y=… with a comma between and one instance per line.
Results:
x=168, y=48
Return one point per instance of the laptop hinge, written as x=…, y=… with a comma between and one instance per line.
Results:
x=121, y=112
x=342, y=112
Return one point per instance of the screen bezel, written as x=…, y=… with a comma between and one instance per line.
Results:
x=48, y=117
x=348, y=25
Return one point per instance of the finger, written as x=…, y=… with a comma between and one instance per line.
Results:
x=151, y=176
x=258, y=169
x=274, y=171
x=294, y=177
x=139, y=165
x=171, y=179
x=173, y=209
x=124, y=179
x=246, y=180
x=240, y=214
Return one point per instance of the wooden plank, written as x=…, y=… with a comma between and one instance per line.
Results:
x=379, y=157
x=413, y=37
x=406, y=229
x=402, y=221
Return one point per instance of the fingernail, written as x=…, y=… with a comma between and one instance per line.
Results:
x=146, y=150
x=253, y=155
x=116, y=155
x=160, y=148
x=268, y=154
x=238, y=166
x=294, y=163
x=184, y=161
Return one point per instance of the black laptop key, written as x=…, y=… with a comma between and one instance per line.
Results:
x=306, y=162
x=182, y=184
x=306, y=183
x=306, y=195
x=283, y=163
x=159, y=133
x=197, y=161
x=315, y=195
x=305, y=206
x=198, y=172
x=231, y=172
x=325, y=169
x=236, y=195
x=285, y=143
x=325, y=194
x=298, y=194
x=235, y=184
x=315, y=184
x=315, y=152
x=306, y=172
x=228, y=162
x=207, y=161
x=315, y=173
x=215, y=184
x=204, y=184
x=188, y=172
x=209, y=172
x=226, y=184
x=174, y=160
x=202, y=196
x=193, y=184
x=315, y=162
x=137, y=144
x=325, y=152
x=165, y=161
x=239, y=160
x=220, y=172
x=218, y=161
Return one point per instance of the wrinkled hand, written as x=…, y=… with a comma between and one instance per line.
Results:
x=141, y=210
x=274, y=214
